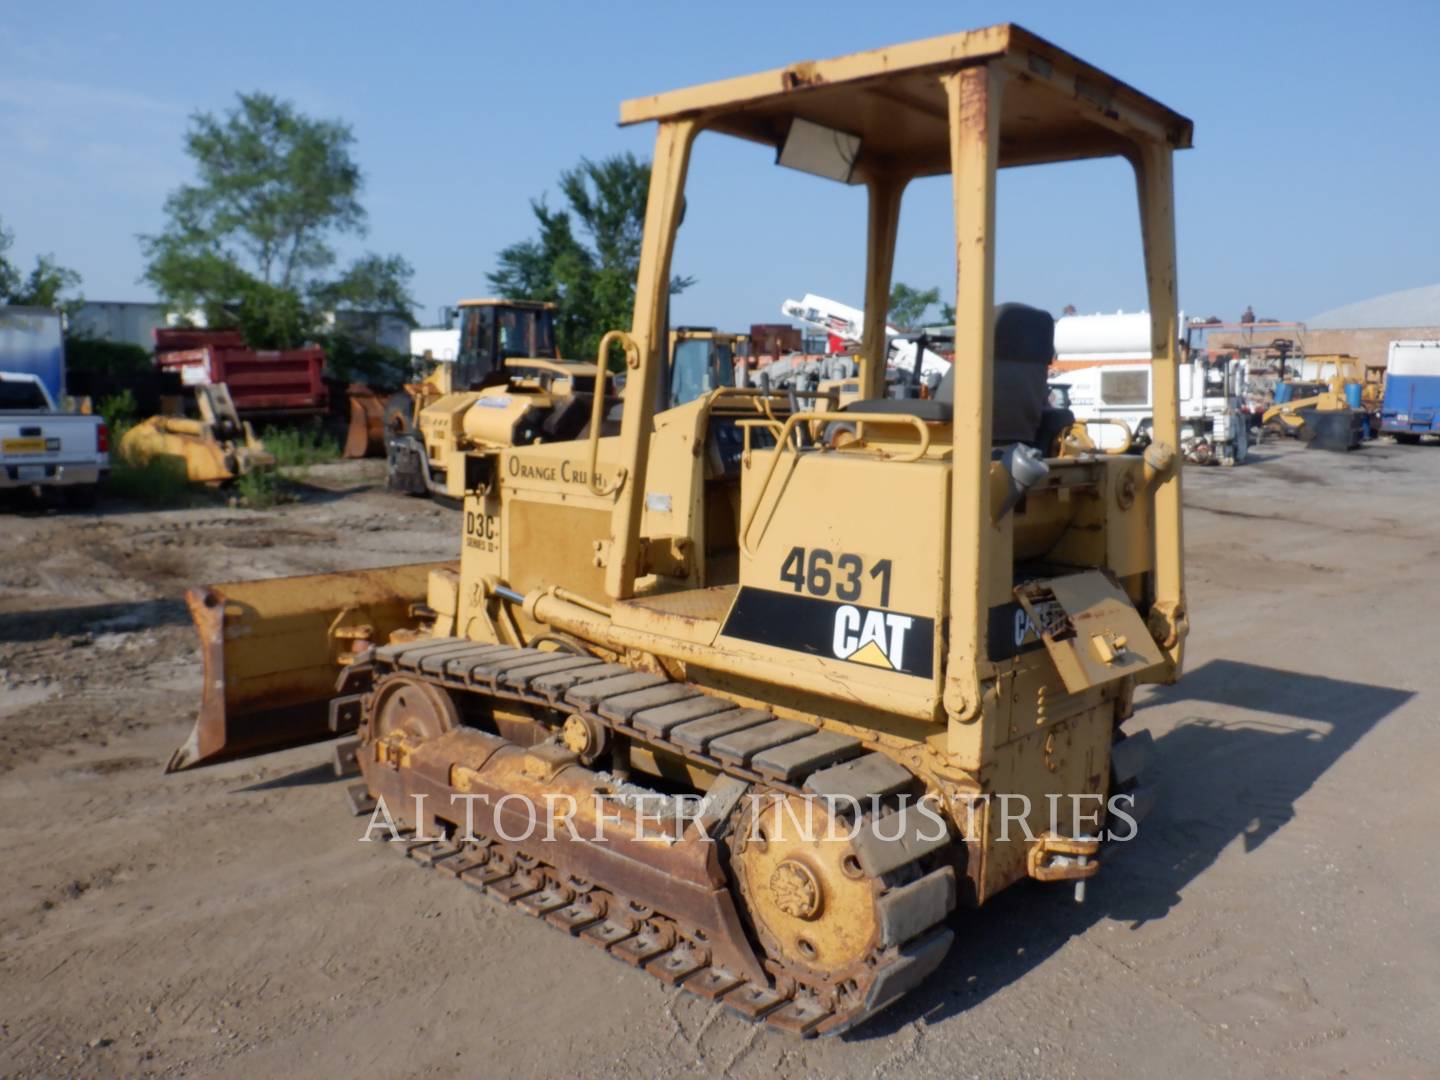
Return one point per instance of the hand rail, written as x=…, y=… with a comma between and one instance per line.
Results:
x=1083, y=425
x=597, y=408
x=782, y=441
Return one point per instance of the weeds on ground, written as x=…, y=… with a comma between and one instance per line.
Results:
x=294, y=447
x=263, y=488
x=157, y=481
x=161, y=481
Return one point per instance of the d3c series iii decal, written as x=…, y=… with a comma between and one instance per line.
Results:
x=889, y=640
x=1012, y=631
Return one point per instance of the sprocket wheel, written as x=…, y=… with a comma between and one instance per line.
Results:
x=810, y=903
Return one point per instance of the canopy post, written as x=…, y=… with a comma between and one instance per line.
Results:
x=652, y=294
x=974, y=109
x=1155, y=187
x=883, y=222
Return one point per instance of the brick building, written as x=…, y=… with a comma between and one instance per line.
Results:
x=1363, y=329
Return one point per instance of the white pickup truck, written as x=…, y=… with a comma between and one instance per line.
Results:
x=42, y=447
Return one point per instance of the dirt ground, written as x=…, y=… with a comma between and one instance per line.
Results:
x=1276, y=917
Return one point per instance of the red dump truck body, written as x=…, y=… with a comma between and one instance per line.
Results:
x=285, y=382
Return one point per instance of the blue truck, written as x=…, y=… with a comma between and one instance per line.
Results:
x=1411, y=406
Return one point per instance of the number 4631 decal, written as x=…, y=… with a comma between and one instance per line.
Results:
x=826, y=573
x=822, y=613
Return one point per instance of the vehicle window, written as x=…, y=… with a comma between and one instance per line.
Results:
x=724, y=365
x=544, y=344
x=1125, y=387
x=21, y=395
x=691, y=375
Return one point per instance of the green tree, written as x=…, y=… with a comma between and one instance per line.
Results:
x=42, y=287
x=586, y=256
x=9, y=275
x=251, y=242
x=908, y=305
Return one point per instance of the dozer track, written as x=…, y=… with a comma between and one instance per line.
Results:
x=683, y=910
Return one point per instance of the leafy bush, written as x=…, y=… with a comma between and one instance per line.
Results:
x=119, y=411
x=88, y=354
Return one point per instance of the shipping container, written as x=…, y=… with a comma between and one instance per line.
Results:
x=32, y=343
x=287, y=382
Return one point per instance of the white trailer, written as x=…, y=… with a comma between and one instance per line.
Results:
x=1212, y=423
x=1115, y=384
x=435, y=343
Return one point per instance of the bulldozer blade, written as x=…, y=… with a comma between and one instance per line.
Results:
x=366, y=435
x=271, y=654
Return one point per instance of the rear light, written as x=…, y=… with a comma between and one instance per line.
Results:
x=102, y=439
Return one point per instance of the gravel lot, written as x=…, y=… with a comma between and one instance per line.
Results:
x=1276, y=918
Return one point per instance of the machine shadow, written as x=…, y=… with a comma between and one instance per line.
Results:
x=1220, y=778
x=91, y=618
x=324, y=773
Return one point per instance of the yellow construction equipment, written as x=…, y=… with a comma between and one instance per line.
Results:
x=1352, y=372
x=426, y=422
x=701, y=359
x=748, y=711
x=1319, y=413
x=214, y=449
x=469, y=406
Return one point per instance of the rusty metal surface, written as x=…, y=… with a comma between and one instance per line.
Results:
x=674, y=908
x=365, y=436
x=270, y=658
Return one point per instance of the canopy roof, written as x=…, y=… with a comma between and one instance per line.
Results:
x=500, y=301
x=1055, y=107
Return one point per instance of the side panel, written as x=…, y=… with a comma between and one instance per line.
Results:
x=843, y=580
x=1412, y=403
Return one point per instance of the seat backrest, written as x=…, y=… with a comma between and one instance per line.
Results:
x=1024, y=347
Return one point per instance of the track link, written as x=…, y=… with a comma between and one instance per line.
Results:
x=753, y=748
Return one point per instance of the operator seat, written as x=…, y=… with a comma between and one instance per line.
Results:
x=1024, y=347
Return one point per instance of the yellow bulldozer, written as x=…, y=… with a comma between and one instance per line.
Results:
x=758, y=715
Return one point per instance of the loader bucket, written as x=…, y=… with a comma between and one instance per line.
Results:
x=366, y=435
x=272, y=654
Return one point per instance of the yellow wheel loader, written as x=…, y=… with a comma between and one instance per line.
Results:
x=701, y=359
x=508, y=387
x=215, y=448
x=426, y=423
x=758, y=715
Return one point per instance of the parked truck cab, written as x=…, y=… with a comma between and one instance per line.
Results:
x=42, y=447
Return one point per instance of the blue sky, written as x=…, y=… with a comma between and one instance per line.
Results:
x=1312, y=182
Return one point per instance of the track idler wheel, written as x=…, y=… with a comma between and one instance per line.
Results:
x=420, y=709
